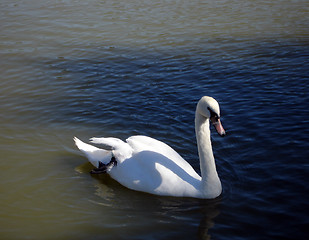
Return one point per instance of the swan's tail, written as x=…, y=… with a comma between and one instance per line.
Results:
x=94, y=154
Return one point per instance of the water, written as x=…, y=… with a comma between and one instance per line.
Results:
x=110, y=68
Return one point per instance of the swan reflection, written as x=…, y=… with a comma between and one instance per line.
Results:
x=172, y=216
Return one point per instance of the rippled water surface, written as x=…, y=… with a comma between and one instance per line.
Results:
x=119, y=68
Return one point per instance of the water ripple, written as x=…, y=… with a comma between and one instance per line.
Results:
x=126, y=68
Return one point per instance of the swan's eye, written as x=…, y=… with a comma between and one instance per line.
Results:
x=213, y=114
x=214, y=118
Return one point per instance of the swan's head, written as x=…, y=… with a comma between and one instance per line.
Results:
x=209, y=108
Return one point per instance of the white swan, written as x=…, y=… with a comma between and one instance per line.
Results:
x=148, y=165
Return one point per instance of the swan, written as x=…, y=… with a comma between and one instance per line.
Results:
x=149, y=165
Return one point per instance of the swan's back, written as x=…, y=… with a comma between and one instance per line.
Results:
x=144, y=143
x=156, y=168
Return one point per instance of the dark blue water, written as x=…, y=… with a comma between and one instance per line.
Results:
x=120, y=68
x=262, y=88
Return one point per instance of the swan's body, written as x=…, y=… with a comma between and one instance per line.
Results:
x=148, y=165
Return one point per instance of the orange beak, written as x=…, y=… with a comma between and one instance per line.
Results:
x=218, y=126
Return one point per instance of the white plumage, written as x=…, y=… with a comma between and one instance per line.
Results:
x=148, y=165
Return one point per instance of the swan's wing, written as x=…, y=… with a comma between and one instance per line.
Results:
x=144, y=143
x=156, y=168
x=120, y=149
x=109, y=142
x=93, y=153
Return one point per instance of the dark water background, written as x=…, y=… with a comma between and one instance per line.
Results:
x=125, y=69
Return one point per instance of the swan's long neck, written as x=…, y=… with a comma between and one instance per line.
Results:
x=211, y=185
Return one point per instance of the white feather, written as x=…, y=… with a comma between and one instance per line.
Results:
x=148, y=165
x=93, y=153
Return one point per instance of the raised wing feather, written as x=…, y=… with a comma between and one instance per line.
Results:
x=93, y=153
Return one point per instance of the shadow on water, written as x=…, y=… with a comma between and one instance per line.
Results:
x=140, y=213
x=169, y=216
